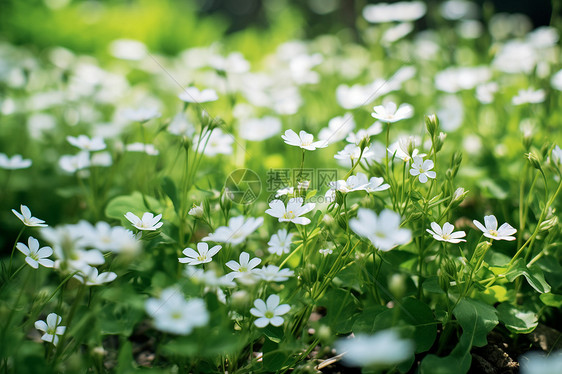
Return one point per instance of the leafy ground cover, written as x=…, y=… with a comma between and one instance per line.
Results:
x=384, y=199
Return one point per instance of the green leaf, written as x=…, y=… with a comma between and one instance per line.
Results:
x=414, y=318
x=476, y=319
x=275, y=334
x=341, y=309
x=517, y=320
x=534, y=275
x=169, y=188
x=365, y=322
x=273, y=357
x=135, y=203
x=431, y=284
x=125, y=358
x=551, y=299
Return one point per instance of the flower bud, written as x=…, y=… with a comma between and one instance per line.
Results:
x=196, y=211
x=480, y=251
x=534, y=160
x=458, y=197
x=549, y=223
x=432, y=124
x=365, y=142
x=342, y=222
x=439, y=140
x=397, y=285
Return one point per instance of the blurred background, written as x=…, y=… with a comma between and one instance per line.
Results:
x=170, y=26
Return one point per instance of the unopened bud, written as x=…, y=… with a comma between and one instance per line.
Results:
x=196, y=211
x=365, y=142
x=549, y=223
x=342, y=222
x=480, y=251
x=439, y=140
x=458, y=196
x=534, y=160
x=432, y=124
x=397, y=285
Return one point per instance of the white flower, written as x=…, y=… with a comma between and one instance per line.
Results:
x=375, y=185
x=196, y=211
x=491, y=230
x=90, y=277
x=243, y=270
x=303, y=140
x=27, y=219
x=202, y=256
x=357, y=182
x=390, y=113
x=236, y=232
x=147, y=222
x=292, y=213
x=455, y=79
x=557, y=155
x=149, y=149
x=446, y=234
x=234, y=63
x=193, y=95
x=382, y=231
x=214, y=143
x=101, y=159
x=538, y=363
x=173, y=314
x=356, y=138
x=338, y=128
x=272, y=273
x=128, y=49
x=326, y=251
x=258, y=129
x=350, y=152
x=422, y=169
x=384, y=348
x=269, y=312
x=400, y=11
x=13, y=163
x=529, y=96
x=401, y=149
x=34, y=255
x=86, y=144
x=485, y=92
x=280, y=242
x=141, y=114
x=73, y=163
x=354, y=96
x=181, y=126
x=556, y=81
x=208, y=277
x=51, y=329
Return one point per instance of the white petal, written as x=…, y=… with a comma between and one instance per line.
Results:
x=491, y=222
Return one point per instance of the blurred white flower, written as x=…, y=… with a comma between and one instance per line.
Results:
x=390, y=113
x=338, y=128
x=326, y=251
x=86, y=144
x=557, y=155
x=292, y=212
x=529, y=96
x=269, y=312
x=455, y=79
x=236, y=232
x=459, y=9
x=422, y=169
x=234, y=63
x=258, y=129
x=128, y=49
x=214, y=143
x=303, y=140
x=181, y=126
x=52, y=328
x=280, y=242
x=396, y=32
x=491, y=229
x=102, y=159
x=74, y=163
x=384, y=348
x=196, y=211
x=272, y=273
x=141, y=114
x=543, y=37
x=90, y=276
x=193, y=95
x=149, y=149
x=446, y=233
x=202, y=256
x=13, y=163
x=173, y=314
x=383, y=231
x=148, y=221
x=361, y=134
x=400, y=11
x=516, y=57
x=26, y=217
x=35, y=256
x=538, y=363
x=485, y=92
x=556, y=81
